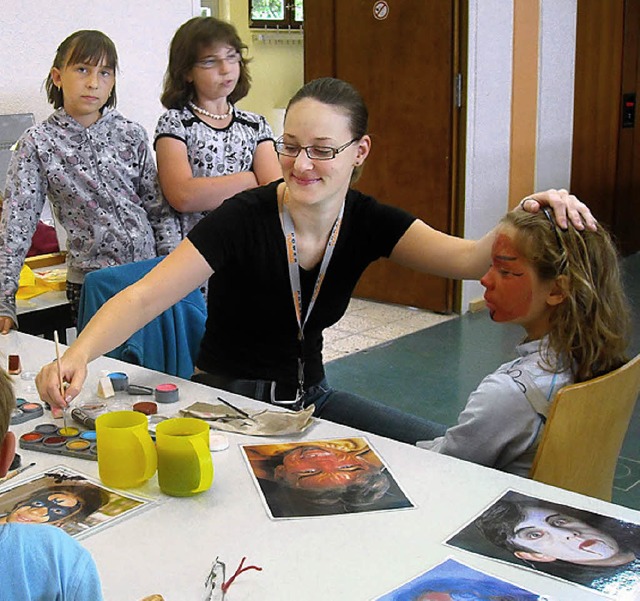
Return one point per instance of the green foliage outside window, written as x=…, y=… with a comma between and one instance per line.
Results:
x=271, y=13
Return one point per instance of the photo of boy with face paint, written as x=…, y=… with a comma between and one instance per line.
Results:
x=66, y=499
x=593, y=550
x=56, y=504
x=323, y=477
x=455, y=581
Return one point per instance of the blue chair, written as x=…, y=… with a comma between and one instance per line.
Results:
x=11, y=128
x=170, y=343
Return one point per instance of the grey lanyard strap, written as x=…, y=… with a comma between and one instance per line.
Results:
x=294, y=276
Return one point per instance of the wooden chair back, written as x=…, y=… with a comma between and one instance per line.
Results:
x=585, y=428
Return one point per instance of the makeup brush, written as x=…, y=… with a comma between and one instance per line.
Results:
x=60, y=380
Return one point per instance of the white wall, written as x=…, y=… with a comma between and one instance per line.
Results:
x=31, y=32
x=555, y=93
x=489, y=110
x=488, y=121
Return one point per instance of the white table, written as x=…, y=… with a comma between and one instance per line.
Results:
x=169, y=548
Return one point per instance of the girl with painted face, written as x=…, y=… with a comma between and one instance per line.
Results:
x=96, y=168
x=564, y=288
x=282, y=262
x=207, y=148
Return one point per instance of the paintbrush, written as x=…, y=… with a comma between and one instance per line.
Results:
x=60, y=380
x=15, y=472
x=240, y=411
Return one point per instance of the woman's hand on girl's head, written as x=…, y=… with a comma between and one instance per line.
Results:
x=564, y=206
x=48, y=382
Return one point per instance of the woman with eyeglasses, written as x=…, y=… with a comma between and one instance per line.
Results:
x=282, y=261
x=207, y=149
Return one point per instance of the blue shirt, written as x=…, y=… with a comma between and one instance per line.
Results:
x=42, y=563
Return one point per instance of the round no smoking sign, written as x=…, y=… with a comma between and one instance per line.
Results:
x=380, y=10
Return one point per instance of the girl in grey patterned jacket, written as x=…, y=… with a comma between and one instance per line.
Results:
x=97, y=170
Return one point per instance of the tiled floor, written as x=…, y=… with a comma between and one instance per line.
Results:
x=369, y=323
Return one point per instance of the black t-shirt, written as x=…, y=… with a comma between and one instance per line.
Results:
x=251, y=327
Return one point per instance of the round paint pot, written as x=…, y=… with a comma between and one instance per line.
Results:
x=166, y=393
x=69, y=432
x=218, y=442
x=20, y=402
x=32, y=437
x=88, y=435
x=146, y=407
x=46, y=428
x=31, y=407
x=119, y=380
x=78, y=445
x=54, y=441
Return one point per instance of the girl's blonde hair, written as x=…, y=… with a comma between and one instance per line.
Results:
x=591, y=327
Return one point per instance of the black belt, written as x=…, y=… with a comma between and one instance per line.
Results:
x=268, y=391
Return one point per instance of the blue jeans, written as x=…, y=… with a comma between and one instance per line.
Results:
x=356, y=411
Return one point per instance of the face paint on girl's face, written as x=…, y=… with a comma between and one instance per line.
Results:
x=508, y=282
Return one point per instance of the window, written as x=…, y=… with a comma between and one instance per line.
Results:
x=276, y=14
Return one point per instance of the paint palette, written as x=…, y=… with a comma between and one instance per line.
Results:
x=25, y=411
x=70, y=441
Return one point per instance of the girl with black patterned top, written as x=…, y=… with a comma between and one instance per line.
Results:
x=208, y=149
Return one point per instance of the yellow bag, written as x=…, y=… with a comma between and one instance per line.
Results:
x=30, y=285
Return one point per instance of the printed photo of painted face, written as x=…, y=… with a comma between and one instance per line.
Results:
x=45, y=508
x=454, y=581
x=323, y=477
x=322, y=467
x=546, y=535
x=56, y=504
x=576, y=545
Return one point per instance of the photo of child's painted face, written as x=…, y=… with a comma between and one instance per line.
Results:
x=46, y=508
x=554, y=535
x=320, y=467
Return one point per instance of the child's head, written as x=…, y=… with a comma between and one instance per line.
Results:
x=7, y=439
x=591, y=323
x=88, y=47
x=537, y=531
x=194, y=39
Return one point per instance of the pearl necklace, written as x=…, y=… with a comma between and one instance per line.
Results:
x=206, y=113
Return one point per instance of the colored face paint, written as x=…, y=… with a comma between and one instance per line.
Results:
x=32, y=436
x=322, y=468
x=508, y=282
x=69, y=432
x=78, y=445
x=45, y=507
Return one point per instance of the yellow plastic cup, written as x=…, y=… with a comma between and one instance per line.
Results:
x=126, y=454
x=185, y=467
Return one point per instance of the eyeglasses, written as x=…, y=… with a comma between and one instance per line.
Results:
x=216, y=62
x=315, y=153
x=216, y=584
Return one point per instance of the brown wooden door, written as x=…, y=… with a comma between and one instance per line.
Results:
x=606, y=156
x=404, y=65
